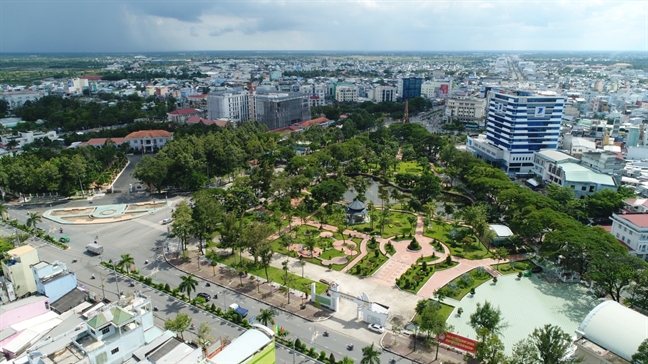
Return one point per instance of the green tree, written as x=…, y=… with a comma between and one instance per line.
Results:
x=152, y=171
x=501, y=254
x=641, y=356
x=433, y=323
x=265, y=258
x=346, y=359
x=639, y=291
x=524, y=352
x=205, y=216
x=328, y=192
x=188, y=285
x=614, y=271
x=33, y=219
x=125, y=262
x=179, y=324
x=490, y=349
x=4, y=211
x=182, y=225
x=427, y=188
x=487, y=317
x=552, y=345
x=204, y=335
x=266, y=317
x=370, y=355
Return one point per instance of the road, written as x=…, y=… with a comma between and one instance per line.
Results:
x=143, y=239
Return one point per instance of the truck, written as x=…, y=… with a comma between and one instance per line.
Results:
x=238, y=309
x=94, y=248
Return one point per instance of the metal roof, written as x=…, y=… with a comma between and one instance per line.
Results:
x=243, y=347
x=577, y=173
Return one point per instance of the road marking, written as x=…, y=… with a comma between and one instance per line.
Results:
x=104, y=228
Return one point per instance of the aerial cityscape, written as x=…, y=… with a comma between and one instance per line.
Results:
x=240, y=182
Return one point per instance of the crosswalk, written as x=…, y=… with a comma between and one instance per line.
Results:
x=105, y=227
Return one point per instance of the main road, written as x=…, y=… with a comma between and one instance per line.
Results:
x=144, y=238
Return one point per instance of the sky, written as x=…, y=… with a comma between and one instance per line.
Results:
x=312, y=25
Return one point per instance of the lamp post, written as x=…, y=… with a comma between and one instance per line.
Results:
x=103, y=292
x=116, y=279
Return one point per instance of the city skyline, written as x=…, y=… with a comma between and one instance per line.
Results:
x=362, y=26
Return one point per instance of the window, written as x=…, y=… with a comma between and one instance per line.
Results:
x=583, y=188
x=114, y=351
x=105, y=330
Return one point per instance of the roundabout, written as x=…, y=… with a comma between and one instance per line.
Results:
x=103, y=214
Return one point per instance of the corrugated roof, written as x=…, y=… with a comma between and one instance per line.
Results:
x=149, y=133
x=184, y=111
x=577, y=173
x=555, y=155
x=615, y=328
x=241, y=348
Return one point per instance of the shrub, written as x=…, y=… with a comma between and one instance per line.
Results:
x=331, y=359
x=167, y=288
x=481, y=272
x=448, y=260
x=472, y=291
x=414, y=245
x=466, y=280
x=322, y=356
x=424, y=266
x=312, y=352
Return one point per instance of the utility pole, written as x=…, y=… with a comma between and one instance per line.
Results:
x=116, y=279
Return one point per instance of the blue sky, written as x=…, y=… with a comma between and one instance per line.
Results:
x=371, y=25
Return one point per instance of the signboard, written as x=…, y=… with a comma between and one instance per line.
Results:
x=459, y=342
x=444, y=89
x=540, y=111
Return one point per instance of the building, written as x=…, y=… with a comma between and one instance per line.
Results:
x=233, y=105
x=346, y=93
x=610, y=334
x=501, y=233
x=436, y=89
x=466, y=110
x=545, y=164
x=101, y=142
x=278, y=110
x=576, y=146
x=22, y=310
x=409, y=87
x=17, y=269
x=632, y=231
x=633, y=136
x=583, y=180
x=76, y=86
x=255, y=346
x=53, y=280
x=26, y=137
x=148, y=140
x=197, y=120
x=181, y=115
x=18, y=98
x=518, y=124
x=605, y=162
x=382, y=93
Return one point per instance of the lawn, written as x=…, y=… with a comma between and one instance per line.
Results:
x=443, y=233
x=460, y=286
x=275, y=274
x=409, y=167
x=444, y=311
x=514, y=267
x=369, y=264
x=416, y=276
x=396, y=223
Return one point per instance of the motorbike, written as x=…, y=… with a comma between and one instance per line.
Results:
x=74, y=260
x=350, y=347
x=392, y=361
x=93, y=277
x=325, y=333
x=61, y=230
x=207, y=284
x=131, y=284
x=155, y=308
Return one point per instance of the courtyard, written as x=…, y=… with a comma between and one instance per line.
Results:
x=526, y=304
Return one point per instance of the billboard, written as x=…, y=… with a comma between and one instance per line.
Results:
x=459, y=342
x=444, y=89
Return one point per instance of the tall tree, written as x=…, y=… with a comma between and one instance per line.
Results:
x=206, y=214
x=204, y=336
x=126, y=262
x=152, y=171
x=487, y=317
x=552, y=345
x=265, y=258
x=179, y=324
x=266, y=317
x=182, y=224
x=370, y=355
x=641, y=356
x=188, y=285
x=490, y=349
x=33, y=219
x=614, y=271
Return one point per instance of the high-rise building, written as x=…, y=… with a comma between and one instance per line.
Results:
x=633, y=136
x=234, y=105
x=281, y=109
x=518, y=123
x=346, y=92
x=409, y=87
x=383, y=93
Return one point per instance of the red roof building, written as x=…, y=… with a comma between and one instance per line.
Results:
x=632, y=231
x=100, y=142
x=309, y=123
x=197, y=119
x=181, y=115
x=148, y=140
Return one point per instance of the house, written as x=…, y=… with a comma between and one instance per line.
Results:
x=181, y=115
x=54, y=280
x=26, y=137
x=148, y=140
x=632, y=231
x=195, y=119
x=255, y=346
x=318, y=121
x=17, y=269
x=502, y=233
x=100, y=142
x=638, y=205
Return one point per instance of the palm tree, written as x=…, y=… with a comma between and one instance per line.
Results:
x=3, y=210
x=310, y=244
x=188, y=285
x=33, y=219
x=370, y=355
x=266, y=317
x=126, y=261
x=347, y=360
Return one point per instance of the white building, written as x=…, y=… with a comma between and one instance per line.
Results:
x=76, y=86
x=148, y=140
x=436, y=89
x=577, y=146
x=381, y=93
x=18, y=98
x=466, y=110
x=26, y=137
x=346, y=93
x=234, y=105
x=632, y=230
x=605, y=162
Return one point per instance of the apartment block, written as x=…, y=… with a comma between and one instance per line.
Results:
x=383, y=93
x=632, y=230
x=281, y=109
x=466, y=110
x=232, y=105
x=17, y=269
x=346, y=93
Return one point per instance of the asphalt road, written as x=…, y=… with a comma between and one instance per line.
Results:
x=143, y=239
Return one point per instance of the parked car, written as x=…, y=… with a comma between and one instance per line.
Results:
x=376, y=328
x=204, y=295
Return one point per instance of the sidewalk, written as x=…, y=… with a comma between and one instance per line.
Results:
x=404, y=346
x=256, y=289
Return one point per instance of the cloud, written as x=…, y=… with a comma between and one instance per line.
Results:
x=371, y=25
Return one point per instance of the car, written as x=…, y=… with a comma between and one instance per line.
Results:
x=64, y=239
x=376, y=328
x=167, y=221
x=40, y=229
x=204, y=295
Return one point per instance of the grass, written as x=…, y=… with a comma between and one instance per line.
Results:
x=396, y=223
x=462, y=289
x=390, y=249
x=356, y=240
x=369, y=264
x=444, y=311
x=409, y=167
x=514, y=267
x=416, y=276
x=442, y=232
x=274, y=274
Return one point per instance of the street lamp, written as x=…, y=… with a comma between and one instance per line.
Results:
x=116, y=278
x=103, y=292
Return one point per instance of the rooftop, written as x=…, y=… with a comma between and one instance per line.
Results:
x=555, y=155
x=577, y=173
x=21, y=250
x=184, y=111
x=243, y=347
x=102, y=141
x=149, y=134
x=501, y=231
x=640, y=220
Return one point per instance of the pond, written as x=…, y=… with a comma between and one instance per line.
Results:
x=371, y=194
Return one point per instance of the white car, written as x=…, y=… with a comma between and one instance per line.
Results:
x=376, y=328
x=167, y=221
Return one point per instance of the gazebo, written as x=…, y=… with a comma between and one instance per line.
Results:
x=356, y=213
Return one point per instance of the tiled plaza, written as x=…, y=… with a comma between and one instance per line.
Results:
x=526, y=304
